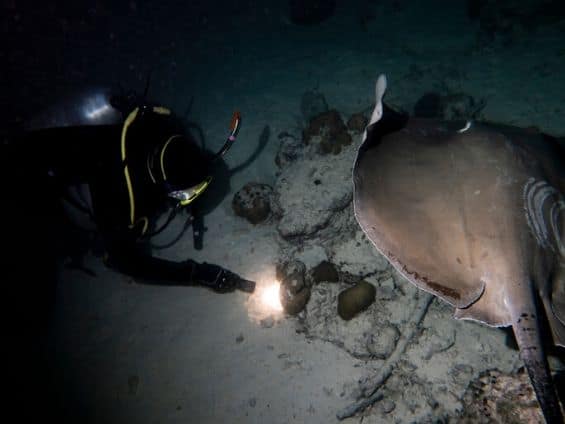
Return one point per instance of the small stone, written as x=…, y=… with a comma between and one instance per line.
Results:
x=293, y=292
x=293, y=303
x=291, y=274
x=253, y=202
x=328, y=131
x=325, y=271
x=355, y=299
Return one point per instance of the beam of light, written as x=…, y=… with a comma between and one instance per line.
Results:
x=265, y=302
x=270, y=296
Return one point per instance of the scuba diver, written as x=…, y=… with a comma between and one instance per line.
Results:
x=135, y=158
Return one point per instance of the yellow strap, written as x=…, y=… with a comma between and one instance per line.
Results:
x=162, y=156
x=129, y=120
x=161, y=110
x=197, y=191
x=145, y=224
x=131, y=117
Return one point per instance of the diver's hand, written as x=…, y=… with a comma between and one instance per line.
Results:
x=247, y=286
x=221, y=280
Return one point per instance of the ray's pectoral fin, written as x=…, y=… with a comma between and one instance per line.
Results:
x=488, y=307
x=454, y=292
x=412, y=198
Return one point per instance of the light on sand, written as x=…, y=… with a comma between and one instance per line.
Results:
x=265, y=302
x=270, y=297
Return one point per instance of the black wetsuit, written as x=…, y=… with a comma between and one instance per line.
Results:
x=44, y=163
x=36, y=168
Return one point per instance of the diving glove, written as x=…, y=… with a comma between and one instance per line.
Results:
x=221, y=280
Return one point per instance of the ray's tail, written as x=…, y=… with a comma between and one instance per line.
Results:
x=527, y=332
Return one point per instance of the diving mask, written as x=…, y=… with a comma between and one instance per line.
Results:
x=187, y=196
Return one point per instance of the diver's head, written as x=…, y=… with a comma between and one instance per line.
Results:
x=181, y=168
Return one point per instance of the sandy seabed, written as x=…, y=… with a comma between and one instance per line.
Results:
x=133, y=353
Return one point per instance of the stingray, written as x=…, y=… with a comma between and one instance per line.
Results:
x=473, y=213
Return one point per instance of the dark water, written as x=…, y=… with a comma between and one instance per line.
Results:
x=205, y=53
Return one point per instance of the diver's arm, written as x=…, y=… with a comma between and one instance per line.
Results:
x=147, y=269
